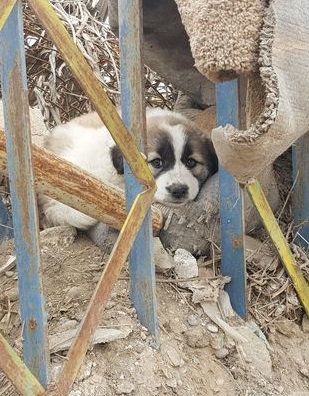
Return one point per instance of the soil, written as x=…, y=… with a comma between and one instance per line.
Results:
x=195, y=356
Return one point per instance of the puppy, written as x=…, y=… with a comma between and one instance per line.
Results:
x=180, y=157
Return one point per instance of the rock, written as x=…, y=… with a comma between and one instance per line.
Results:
x=174, y=357
x=185, y=264
x=171, y=383
x=255, y=352
x=55, y=237
x=212, y=328
x=193, y=320
x=222, y=353
x=163, y=260
x=305, y=324
x=124, y=387
x=217, y=341
x=196, y=338
x=11, y=294
x=138, y=346
x=74, y=293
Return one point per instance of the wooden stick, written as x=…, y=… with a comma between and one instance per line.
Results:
x=68, y=184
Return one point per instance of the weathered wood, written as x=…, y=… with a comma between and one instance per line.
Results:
x=68, y=184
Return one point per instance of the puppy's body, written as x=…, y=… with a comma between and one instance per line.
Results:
x=180, y=157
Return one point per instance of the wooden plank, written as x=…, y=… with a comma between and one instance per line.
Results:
x=142, y=272
x=231, y=207
x=25, y=218
x=300, y=201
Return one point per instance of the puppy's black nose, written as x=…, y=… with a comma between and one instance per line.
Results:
x=178, y=191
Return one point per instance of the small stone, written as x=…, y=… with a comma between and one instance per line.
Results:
x=196, y=338
x=185, y=264
x=124, y=387
x=174, y=357
x=12, y=294
x=73, y=293
x=212, y=328
x=279, y=310
x=222, y=353
x=60, y=236
x=163, y=260
x=217, y=341
x=171, y=383
x=304, y=371
x=9, y=274
x=305, y=324
x=139, y=346
x=193, y=320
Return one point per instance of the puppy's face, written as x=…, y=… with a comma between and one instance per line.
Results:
x=180, y=157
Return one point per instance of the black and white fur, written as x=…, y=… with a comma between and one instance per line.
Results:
x=180, y=157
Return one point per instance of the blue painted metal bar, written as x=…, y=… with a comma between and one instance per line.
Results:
x=142, y=273
x=231, y=207
x=301, y=190
x=25, y=217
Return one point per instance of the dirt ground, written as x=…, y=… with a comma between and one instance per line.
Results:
x=195, y=357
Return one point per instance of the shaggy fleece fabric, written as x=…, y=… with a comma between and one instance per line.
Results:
x=223, y=34
x=283, y=118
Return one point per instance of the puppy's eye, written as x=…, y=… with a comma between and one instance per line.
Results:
x=156, y=163
x=191, y=163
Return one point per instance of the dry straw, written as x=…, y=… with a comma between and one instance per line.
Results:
x=51, y=85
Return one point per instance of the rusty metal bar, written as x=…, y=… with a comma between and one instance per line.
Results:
x=231, y=207
x=142, y=269
x=89, y=83
x=25, y=218
x=259, y=200
x=103, y=290
x=67, y=183
x=19, y=374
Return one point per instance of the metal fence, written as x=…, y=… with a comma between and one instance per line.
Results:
x=33, y=168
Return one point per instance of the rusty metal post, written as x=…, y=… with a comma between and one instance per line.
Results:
x=142, y=273
x=25, y=218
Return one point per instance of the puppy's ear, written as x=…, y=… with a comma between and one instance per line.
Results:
x=117, y=160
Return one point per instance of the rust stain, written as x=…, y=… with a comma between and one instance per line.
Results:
x=237, y=243
x=32, y=325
